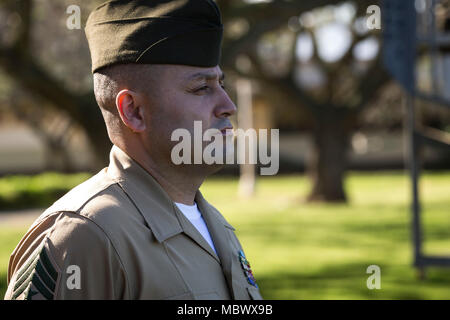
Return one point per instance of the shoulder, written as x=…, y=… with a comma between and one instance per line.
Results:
x=78, y=197
x=99, y=199
x=88, y=219
x=43, y=261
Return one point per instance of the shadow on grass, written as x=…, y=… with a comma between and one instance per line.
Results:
x=350, y=282
x=345, y=236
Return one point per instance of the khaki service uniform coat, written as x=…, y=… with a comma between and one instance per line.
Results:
x=119, y=236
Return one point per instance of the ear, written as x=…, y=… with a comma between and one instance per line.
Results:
x=130, y=110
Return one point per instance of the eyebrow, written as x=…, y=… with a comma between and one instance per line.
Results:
x=207, y=76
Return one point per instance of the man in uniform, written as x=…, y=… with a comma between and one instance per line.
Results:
x=140, y=228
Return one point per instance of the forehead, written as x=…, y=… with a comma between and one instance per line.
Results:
x=189, y=73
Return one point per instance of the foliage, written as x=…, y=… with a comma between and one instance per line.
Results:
x=19, y=192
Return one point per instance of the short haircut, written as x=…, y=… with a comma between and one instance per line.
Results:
x=109, y=81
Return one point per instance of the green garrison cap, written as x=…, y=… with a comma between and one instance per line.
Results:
x=187, y=32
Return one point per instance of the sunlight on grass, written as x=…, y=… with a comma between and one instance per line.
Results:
x=322, y=251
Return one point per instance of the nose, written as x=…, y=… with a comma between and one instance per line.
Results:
x=225, y=107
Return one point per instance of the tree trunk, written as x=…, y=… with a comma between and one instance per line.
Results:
x=95, y=129
x=328, y=162
x=82, y=109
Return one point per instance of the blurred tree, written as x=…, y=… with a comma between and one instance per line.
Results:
x=321, y=56
x=33, y=39
x=267, y=41
x=54, y=129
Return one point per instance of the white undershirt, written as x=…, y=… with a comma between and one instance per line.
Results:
x=195, y=217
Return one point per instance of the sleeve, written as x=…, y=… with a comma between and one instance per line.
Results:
x=74, y=260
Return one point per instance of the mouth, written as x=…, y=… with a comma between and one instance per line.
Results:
x=227, y=131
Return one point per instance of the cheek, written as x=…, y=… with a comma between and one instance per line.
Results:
x=179, y=109
x=168, y=114
x=187, y=108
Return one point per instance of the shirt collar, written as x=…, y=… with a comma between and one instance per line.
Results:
x=155, y=205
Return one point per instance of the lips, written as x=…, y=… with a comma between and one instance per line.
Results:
x=224, y=130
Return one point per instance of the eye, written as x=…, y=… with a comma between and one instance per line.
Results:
x=201, y=89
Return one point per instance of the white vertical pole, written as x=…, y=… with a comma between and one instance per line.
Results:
x=245, y=121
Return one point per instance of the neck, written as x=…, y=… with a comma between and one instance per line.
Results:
x=181, y=183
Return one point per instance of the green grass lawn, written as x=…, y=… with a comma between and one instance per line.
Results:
x=322, y=251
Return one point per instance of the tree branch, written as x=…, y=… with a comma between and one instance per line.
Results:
x=21, y=43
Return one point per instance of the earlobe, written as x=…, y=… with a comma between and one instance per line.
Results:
x=129, y=110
